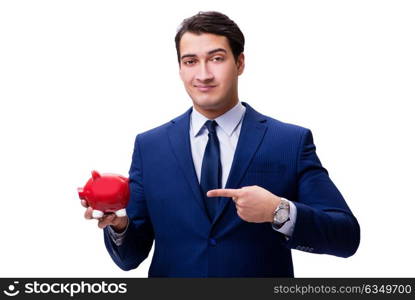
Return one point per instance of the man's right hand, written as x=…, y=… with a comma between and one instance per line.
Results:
x=117, y=223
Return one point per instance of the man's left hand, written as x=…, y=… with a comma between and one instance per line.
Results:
x=253, y=203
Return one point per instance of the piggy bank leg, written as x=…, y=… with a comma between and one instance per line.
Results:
x=96, y=214
x=121, y=212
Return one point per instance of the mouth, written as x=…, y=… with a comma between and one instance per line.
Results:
x=204, y=88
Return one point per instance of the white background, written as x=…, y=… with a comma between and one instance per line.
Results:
x=79, y=79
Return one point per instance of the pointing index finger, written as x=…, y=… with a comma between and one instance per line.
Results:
x=223, y=193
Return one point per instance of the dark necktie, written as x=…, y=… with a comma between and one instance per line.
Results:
x=211, y=176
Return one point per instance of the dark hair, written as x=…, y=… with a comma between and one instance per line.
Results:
x=215, y=23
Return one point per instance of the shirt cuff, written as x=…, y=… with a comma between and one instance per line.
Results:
x=116, y=237
x=288, y=228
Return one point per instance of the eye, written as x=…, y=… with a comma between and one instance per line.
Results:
x=217, y=58
x=189, y=62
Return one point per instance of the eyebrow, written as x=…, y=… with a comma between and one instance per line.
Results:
x=209, y=53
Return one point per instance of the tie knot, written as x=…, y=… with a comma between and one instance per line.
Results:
x=211, y=126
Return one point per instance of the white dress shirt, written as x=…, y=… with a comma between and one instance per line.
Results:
x=228, y=130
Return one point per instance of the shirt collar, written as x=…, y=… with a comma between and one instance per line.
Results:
x=228, y=121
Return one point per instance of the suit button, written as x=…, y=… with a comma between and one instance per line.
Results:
x=212, y=242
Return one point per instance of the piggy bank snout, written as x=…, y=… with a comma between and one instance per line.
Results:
x=81, y=193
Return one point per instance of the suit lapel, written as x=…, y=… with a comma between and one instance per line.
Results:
x=251, y=135
x=178, y=133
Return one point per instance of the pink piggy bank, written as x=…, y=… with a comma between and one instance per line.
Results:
x=106, y=193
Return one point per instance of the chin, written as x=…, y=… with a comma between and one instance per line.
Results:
x=204, y=100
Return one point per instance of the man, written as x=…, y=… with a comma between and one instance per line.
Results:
x=276, y=195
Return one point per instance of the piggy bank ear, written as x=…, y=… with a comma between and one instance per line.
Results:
x=95, y=175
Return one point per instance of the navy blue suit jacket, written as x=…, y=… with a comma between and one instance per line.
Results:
x=166, y=205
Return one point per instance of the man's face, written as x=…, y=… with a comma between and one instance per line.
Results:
x=209, y=71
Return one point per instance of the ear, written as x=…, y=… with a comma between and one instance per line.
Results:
x=180, y=72
x=240, y=63
x=95, y=175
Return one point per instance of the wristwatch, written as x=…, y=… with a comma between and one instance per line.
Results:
x=281, y=214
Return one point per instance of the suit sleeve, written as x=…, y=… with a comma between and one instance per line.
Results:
x=324, y=224
x=139, y=235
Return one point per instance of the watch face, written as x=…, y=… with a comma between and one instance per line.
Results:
x=281, y=216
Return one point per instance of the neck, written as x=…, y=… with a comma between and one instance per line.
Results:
x=215, y=112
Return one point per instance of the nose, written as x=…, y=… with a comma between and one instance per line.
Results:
x=203, y=73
